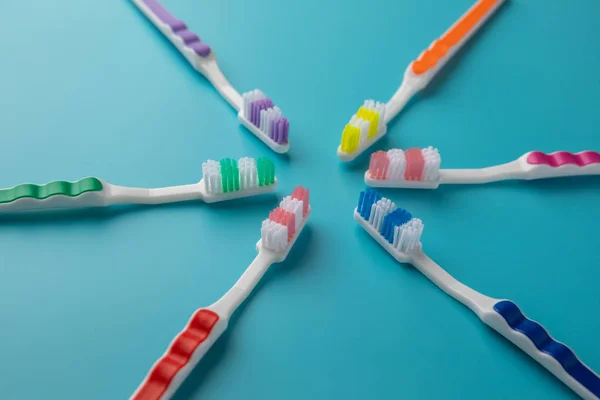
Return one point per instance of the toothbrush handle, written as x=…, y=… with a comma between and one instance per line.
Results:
x=86, y=192
x=561, y=163
x=442, y=49
x=174, y=29
x=508, y=320
x=183, y=354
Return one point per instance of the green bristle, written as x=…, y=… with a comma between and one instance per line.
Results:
x=235, y=175
x=266, y=171
x=230, y=175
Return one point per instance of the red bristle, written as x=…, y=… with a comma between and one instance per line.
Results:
x=415, y=165
x=301, y=193
x=285, y=218
x=379, y=164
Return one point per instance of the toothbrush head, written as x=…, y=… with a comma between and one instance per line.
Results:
x=280, y=231
x=365, y=128
x=230, y=179
x=265, y=120
x=394, y=228
x=414, y=168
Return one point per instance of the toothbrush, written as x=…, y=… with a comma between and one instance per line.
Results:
x=369, y=124
x=278, y=234
x=420, y=168
x=400, y=234
x=255, y=111
x=222, y=180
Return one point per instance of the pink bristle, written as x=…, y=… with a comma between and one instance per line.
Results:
x=415, y=165
x=379, y=165
x=302, y=194
x=285, y=218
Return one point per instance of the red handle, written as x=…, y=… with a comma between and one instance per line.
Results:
x=177, y=355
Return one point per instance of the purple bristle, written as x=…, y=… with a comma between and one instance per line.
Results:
x=256, y=107
x=279, y=130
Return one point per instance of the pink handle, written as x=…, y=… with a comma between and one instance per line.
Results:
x=177, y=355
x=560, y=158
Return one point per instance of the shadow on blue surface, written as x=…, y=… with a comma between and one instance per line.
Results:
x=550, y=186
x=105, y=214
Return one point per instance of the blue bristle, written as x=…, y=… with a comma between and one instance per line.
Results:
x=366, y=201
x=398, y=217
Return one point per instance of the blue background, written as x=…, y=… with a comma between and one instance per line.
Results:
x=89, y=300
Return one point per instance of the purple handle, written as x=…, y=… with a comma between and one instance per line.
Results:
x=562, y=158
x=179, y=28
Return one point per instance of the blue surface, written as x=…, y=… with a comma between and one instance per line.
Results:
x=89, y=301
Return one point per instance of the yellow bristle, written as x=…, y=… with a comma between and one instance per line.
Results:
x=350, y=137
x=372, y=117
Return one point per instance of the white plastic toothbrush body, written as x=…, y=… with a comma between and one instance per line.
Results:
x=222, y=180
x=206, y=65
x=552, y=355
x=522, y=169
x=412, y=82
x=205, y=334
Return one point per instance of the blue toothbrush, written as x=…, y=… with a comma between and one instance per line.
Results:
x=400, y=234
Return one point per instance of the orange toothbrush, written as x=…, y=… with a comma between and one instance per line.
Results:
x=369, y=124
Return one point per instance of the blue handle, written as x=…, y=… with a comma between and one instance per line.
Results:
x=544, y=343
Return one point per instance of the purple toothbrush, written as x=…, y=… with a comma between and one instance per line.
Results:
x=255, y=110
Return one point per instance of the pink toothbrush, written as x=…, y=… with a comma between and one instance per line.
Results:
x=420, y=168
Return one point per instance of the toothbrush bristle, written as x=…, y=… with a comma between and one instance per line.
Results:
x=397, y=164
x=262, y=113
x=433, y=162
x=295, y=207
x=410, y=165
x=396, y=225
x=286, y=218
x=283, y=222
x=229, y=175
x=274, y=236
x=415, y=163
x=363, y=126
x=265, y=171
x=398, y=217
x=366, y=201
x=302, y=194
x=379, y=165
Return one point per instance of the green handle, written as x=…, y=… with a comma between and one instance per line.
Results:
x=41, y=192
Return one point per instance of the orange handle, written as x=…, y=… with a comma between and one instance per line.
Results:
x=440, y=47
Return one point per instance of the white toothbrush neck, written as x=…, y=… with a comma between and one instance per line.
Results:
x=227, y=304
x=409, y=87
x=209, y=67
x=511, y=170
x=476, y=301
x=128, y=195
